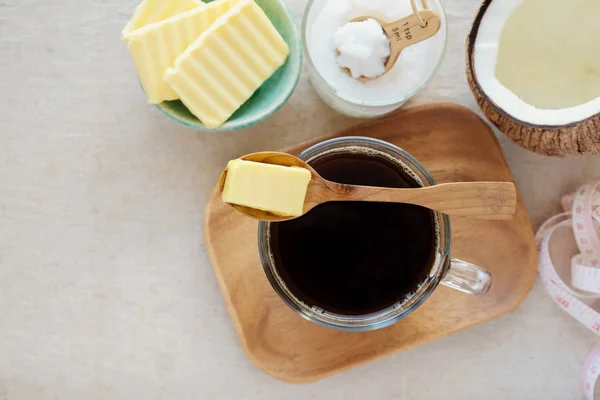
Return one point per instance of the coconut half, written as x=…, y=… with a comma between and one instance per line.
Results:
x=534, y=68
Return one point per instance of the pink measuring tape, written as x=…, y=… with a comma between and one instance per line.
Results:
x=569, y=266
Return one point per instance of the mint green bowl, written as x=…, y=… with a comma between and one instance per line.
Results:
x=271, y=96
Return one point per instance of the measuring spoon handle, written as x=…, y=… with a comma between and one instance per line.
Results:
x=408, y=31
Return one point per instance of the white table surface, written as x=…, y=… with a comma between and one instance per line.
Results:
x=105, y=286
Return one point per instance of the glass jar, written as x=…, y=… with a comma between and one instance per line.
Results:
x=344, y=96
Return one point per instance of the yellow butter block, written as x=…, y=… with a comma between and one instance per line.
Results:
x=273, y=188
x=227, y=63
x=155, y=47
x=150, y=11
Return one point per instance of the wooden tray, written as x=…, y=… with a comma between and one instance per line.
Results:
x=455, y=145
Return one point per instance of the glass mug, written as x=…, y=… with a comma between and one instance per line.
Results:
x=451, y=272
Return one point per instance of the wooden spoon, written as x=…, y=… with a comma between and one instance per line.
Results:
x=482, y=200
x=403, y=33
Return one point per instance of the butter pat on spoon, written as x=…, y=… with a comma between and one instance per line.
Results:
x=291, y=193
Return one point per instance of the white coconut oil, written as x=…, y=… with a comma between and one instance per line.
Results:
x=415, y=66
x=549, y=52
x=363, y=48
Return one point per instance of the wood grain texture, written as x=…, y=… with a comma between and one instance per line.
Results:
x=484, y=200
x=579, y=138
x=455, y=145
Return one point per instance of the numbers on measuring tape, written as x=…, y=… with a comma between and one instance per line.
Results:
x=582, y=216
x=562, y=301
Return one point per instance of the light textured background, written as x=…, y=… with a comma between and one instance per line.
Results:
x=105, y=287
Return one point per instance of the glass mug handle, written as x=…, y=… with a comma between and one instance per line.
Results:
x=467, y=277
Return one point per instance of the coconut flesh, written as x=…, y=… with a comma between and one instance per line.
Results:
x=537, y=63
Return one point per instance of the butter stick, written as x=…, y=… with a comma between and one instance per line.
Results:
x=227, y=63
x=150, y=11
x=267, y=187
x=155, y=47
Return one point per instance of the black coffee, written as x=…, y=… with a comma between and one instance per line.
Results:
x=356, y=258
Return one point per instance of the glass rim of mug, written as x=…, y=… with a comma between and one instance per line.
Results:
x=400, y=99
x=396, y=311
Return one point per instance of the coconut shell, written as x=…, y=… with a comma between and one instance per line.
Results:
x=578, y=138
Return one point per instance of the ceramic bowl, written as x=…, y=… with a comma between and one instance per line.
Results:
x=272, y=95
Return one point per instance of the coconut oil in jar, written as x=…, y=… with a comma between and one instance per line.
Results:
x=415, y=67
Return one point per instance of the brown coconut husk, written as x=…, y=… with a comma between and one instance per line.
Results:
x=578, y=138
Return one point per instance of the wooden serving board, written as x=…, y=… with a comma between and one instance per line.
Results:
x=455, y=145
